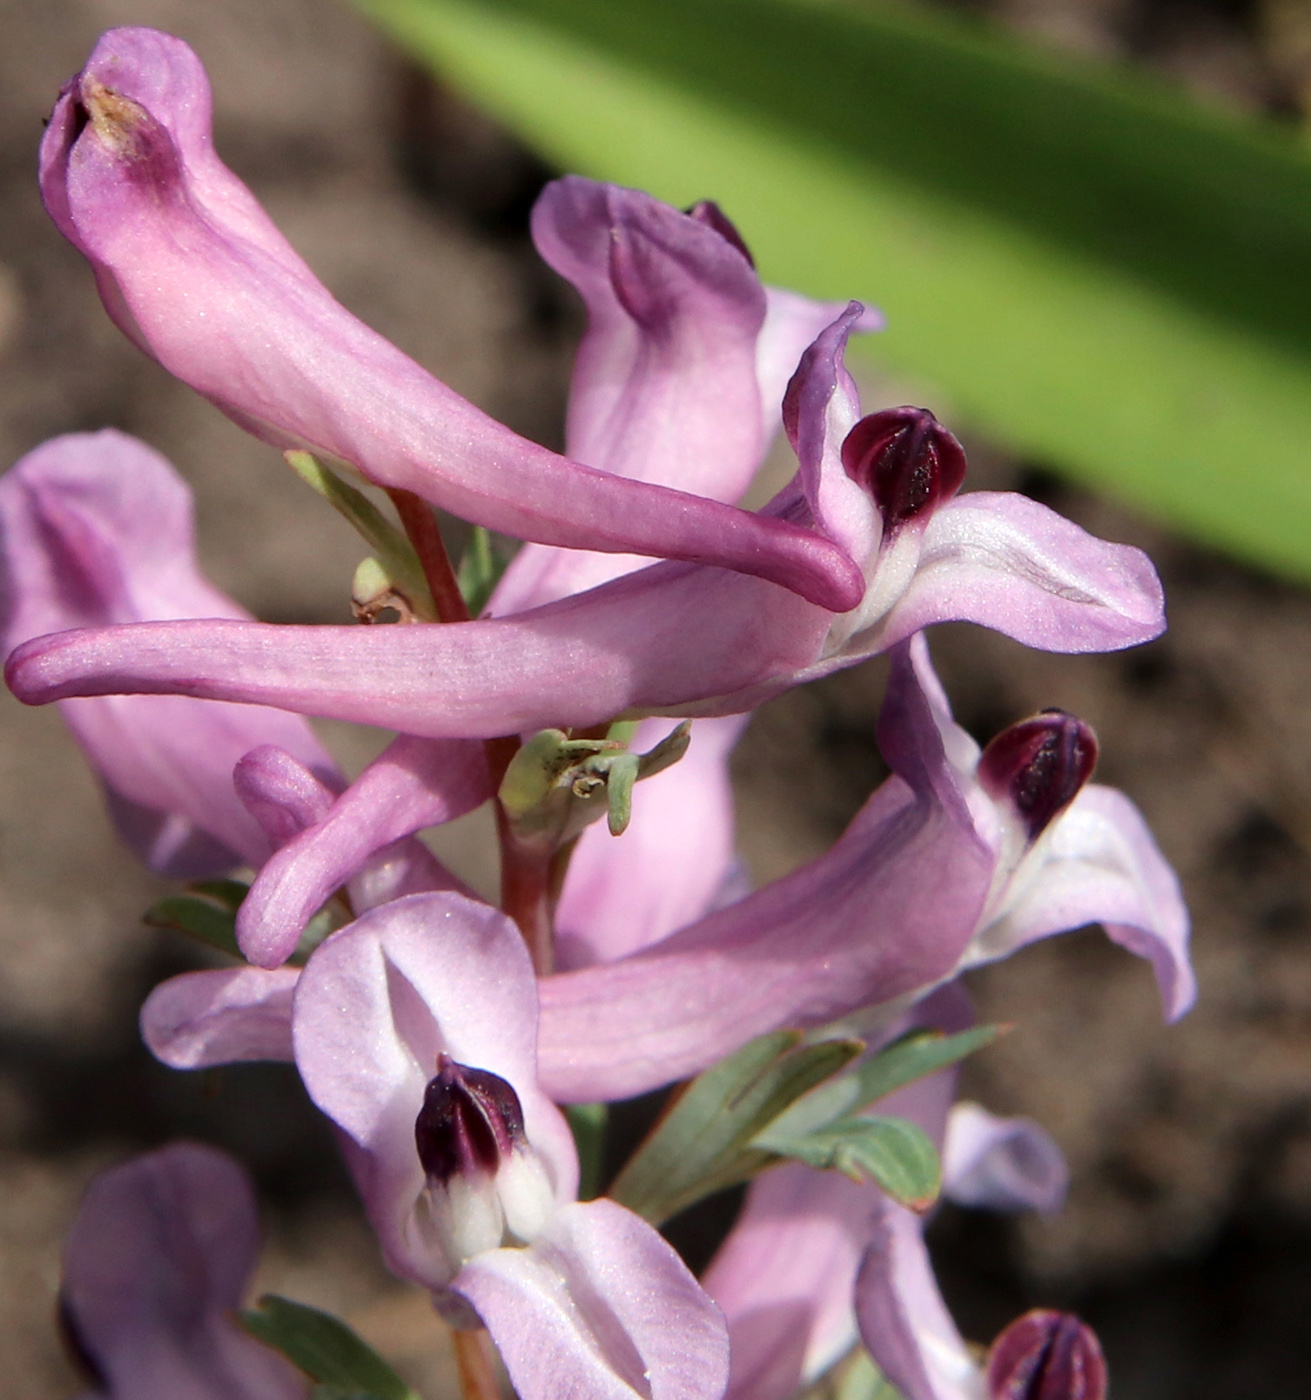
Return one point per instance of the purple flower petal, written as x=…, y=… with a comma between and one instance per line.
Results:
x=785, y=1275
x=220, y=1017
x=599, y=1305
x=157, y=1258
x=1098, y=863
x=1001, y=1163
x=415, y=783
x=97, y=528
x=193, y=271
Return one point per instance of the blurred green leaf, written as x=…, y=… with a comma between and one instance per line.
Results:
x=1098, y=270
x=481, y=567
x=588, y=1122
x=702, y=1143
x=894, y=1153
x=325, y=1349
x=861, y=1379
x=206, y=919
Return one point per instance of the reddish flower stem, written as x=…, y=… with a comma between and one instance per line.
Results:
x=421, y=527
x=525, y=875
x=474, y=1363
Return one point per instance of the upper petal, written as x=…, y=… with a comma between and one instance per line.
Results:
x=96, y=528
x=196, y=274
x=157, y=1257
x=599, y=1306
x=1098, y=863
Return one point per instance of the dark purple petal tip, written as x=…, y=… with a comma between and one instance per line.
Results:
x=470, y=1120
x=706, y=211
x=1046, y=1355
x=1038, y=766
x=906, y=460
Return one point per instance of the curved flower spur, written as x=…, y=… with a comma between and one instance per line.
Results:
x=194, y=272
x=677, y=638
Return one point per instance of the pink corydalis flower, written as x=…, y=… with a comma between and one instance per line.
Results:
x=193, y=271
x=97, y=528
x=414, y=1031
x=679, y=638
x=959, y=858
x=158, y=1257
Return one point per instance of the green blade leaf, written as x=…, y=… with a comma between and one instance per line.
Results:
x=480, y=570
x=894, y=1153
x=325, y=1349
x=1103, y=273
x=910, y=1058
x=701, y=1144
x=588, y=1121
x=202, y=919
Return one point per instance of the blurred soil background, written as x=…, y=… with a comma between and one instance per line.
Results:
x=1187, y=1237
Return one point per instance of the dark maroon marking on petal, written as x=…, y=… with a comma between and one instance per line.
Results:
x=1046, y=1355
x=469, y=1121
x=1039, y=765
x=706, y=211
x=906, y=460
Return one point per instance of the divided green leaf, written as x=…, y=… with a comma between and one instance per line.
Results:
x=703, y=1142
x=326, y=1350
x=894, y=1153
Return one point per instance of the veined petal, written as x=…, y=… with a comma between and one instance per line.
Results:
x=1009, y=563
x=1001, y=1163
x=220, y=1017
x=415, y=783
x=193, y=271
x=599, y=1305
x=903, y=1320
x=664, y=387
x=97, y=528
x=887, y=911
x=1098, y=863
x=376, y=1004
x=649, y=641
x=158, y=1256
x=668, y=868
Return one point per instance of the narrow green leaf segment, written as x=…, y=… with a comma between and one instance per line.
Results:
x=481, y=567
x=910, y=1058
x=326, y=1350
x=702, y=1144
x=396, y=564
x=895, y=1154
x=1102, y=273
x=588, y=1124
x=207, y=913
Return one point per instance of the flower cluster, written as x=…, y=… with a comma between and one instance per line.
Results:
x=626, y=642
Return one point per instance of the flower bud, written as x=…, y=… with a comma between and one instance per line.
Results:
x=906, y=460
x=470, y=1122
x=486, y=1185
x=1046, y=1355
x=1038, y=767
x=706, y=211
